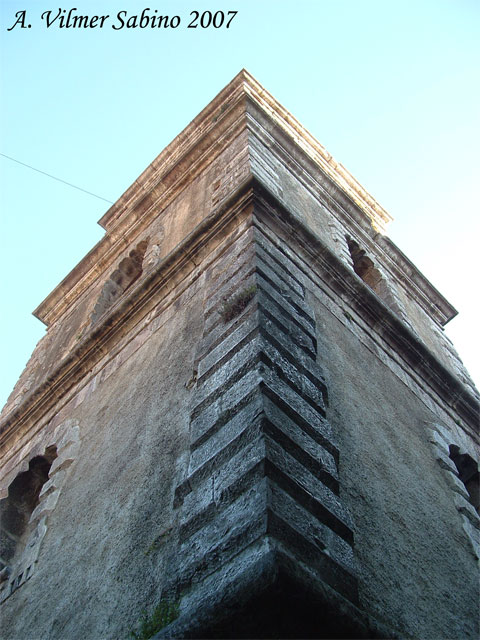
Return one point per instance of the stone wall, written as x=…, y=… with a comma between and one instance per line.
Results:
x=245, y=430
x=254, y=415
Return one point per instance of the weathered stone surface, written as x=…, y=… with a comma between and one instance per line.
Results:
x=258, y=399
x=7, y=547
x=281, y=470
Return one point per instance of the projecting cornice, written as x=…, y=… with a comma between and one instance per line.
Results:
x=179, y=163
x=209, y=119
x=249, y=200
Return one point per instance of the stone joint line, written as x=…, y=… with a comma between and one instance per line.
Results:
x=263, y=458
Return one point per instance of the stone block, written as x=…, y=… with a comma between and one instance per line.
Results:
x=302, y=485
x=282, y=274
x=204, y=533
x=301, y=446
x=280, y=252
x=287, y=369
x=228, y=345
x=288, y=289
x=63, y=461
x=219, y=270
x=45, y=507
x=226, y=436
x=444, y=435
x=222, y=472
x=237, y=473
x=237, y=279
x=299, y=312
x=473, y=534
x=225, y=407
x=445, y=462
x=216, y=329
x=230, y=371
x=285, y=322
x=54, y=483
x=231, y=531
x=305, y=552
x=437, y=439
x=457, y=485
x=37, y=534
x=307, y=525
x=290, y=402
x=66, y=433
x=290, y=348
x=467, y=510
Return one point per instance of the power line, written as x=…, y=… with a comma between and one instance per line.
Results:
x=55, y=178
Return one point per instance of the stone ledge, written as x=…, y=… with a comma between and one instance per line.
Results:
x=266, y=582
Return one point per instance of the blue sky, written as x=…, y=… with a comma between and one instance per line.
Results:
x=391, y=89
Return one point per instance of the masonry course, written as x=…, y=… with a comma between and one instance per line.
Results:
x=249, y=429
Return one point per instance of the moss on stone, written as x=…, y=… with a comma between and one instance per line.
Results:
x=164, y=613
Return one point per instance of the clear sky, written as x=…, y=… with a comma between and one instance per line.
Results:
x=392, y=90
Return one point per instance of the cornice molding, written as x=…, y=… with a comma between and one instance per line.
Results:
x=125, y=314
x=149, y=195
x=349, y=287
x=201, y=142
x=141, y=298
x=180, y=162
x=323, y=189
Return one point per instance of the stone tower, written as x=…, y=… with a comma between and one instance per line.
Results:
x=245, y=419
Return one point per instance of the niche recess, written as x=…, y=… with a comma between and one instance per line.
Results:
x=364, y=266
x=18, y=506
x=468, y=473
x=128, y=270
